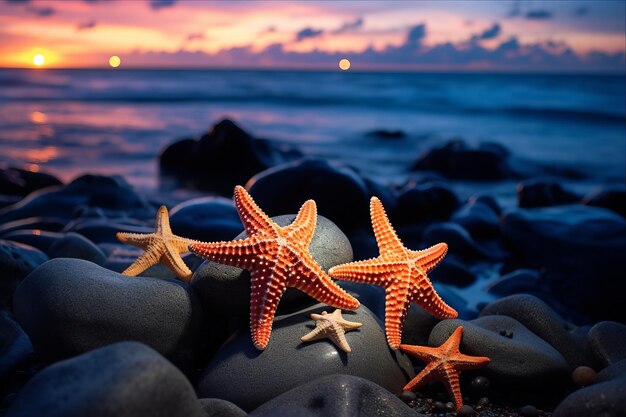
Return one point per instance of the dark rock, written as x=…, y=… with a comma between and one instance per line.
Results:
x=387, y=134
x=608, y=342
x=479, y=386
x=479, y=218
x=515, y=282
x=466, y=411
x=50, y=224
x=16, y=261
x=605, y=398
x=422, y=203
x=573, y=244
x=523, y=358
x=208, y=219
x=610, y=199
x=457, y=160
x=112, y=194
x=453, y=272
x=341, y=195
x=246, y=377
x=543, y=194
x=73, y=245
x=583, y=376
x=15, y=347
x=529, y=411
x=407, y=396
x=71, y=306
x=539, y=318
x=214, y=407
x=417, y=325
x=226, y=290
x=458, y=239
x=219, y=160
x=336, y=395
x=15, y=181
x=36, y=238
x=122, y=380
x=103, y=230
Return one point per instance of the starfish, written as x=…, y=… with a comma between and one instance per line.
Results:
x=162, y=246
x=277, y=258
x=402, y=272
x=444, y=364
x=332, y=326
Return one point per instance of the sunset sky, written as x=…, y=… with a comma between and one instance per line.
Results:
x=455, y=35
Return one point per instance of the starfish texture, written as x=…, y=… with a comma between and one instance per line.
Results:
x=444, y=364
x=401, y=271
x=277, y=258
x=162, y=246
x=332, y=326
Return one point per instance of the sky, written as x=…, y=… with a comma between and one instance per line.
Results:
x=413, y=35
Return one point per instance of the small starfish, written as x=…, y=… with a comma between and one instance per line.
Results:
x=332, y=326
x=277, y=258
x=402, y=272
x=444, y=364
x=162, y=246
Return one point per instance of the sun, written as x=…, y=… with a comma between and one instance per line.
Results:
x=39, y=59
x=344, y=64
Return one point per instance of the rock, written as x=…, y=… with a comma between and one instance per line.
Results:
x=248, y=378
x=15, y=181
x=422, y=203
x=341, y=195
x=50, y=224
x=417, y=325
x=543, y=194
x=605, y=398
x=540, y=319
x=73, y=245
x=15, y=347
x=478, y=218
x=456, y=160
x=529, y=411
x=336, y=395
x=71, y=306
x=226, y=290
x=610, y=199
x=112, y=194
x=452, y=272
x=221, y=159
x=580, y=249
x=518, y=356
x=515, y=282
x=583, y=376
x=458, y=239
x=214, y=407
x=16, y=261
x=209, y=219
x=103, y=230
x=36, y=238
x=121, y=380
x=386, y=134
x=608, y=342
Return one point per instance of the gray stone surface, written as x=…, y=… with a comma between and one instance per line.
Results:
x=16, y=261
x=247, y=377
x=206, y=218
x=122, y=380
x=73, y=245
x=15, y=347
x=214, y=407
x=608, y=342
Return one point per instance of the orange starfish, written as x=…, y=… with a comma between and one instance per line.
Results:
x=444, y=364
x=401, y=271
x=277, y=258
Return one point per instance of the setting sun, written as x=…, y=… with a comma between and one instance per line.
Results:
x=39, y=60
x=344, y=64
x=115, y=61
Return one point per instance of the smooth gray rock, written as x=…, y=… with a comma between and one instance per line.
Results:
x=209, y=219
x=524, y=358
x=248, y=378
x=226, y=289
x=608, y=342
x=71, y=306
x=539, y=318
x=478, y=217
x=73, y=245
x=36, y=238
x=214, y=407
x=16, y=261
x=338, y=396
x=122, y=380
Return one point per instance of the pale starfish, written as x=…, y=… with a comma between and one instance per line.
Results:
x=332, y=326
x=277, y=258
x=162, y=246
x=401, y=271
x=444, y=364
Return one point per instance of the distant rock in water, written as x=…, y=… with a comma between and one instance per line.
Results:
x=457, y=160
x=386, y=134
x=611, y=199
x=219, y=160
x=544, y=194
x=15, y=181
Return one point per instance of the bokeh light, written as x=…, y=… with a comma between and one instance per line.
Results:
x=39, y=60
x=115, y=61
x=344, y=64
x=38, y=117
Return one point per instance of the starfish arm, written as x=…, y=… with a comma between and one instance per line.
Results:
x=253, y=218
x=375, y=271
x=451, y=382
x=338, y=336
x=430, y=257
x=173, y=261
x=396, y=307
x=314, y=334
x=141, y=240
x=181, y=244
x=427, y=298
x=267, y=286
x=163, y=222
x=388, y=241
x=422, y=378
x=311, y=280
x=145, y=261
x=424, y=353
x=303, y=227
x=239, y=253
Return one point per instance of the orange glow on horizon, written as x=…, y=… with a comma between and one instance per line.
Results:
x=39, y=60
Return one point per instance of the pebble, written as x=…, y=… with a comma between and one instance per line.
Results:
x=608, y=342
x=583, y=376
x=529, y=411
x=16, y=261
x=466, y=411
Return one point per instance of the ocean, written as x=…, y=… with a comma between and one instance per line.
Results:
x=117, y=121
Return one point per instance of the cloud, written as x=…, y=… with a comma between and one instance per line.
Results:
x=308, y=33
x=415, y=35
x=161, y=4
x=581, y=11
x=17, y=1
x=491, y=33
x=350, y=26
x=539, y=14
x=88, y=24
x=196, y=36
x=42, y=11
x=515, y=10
